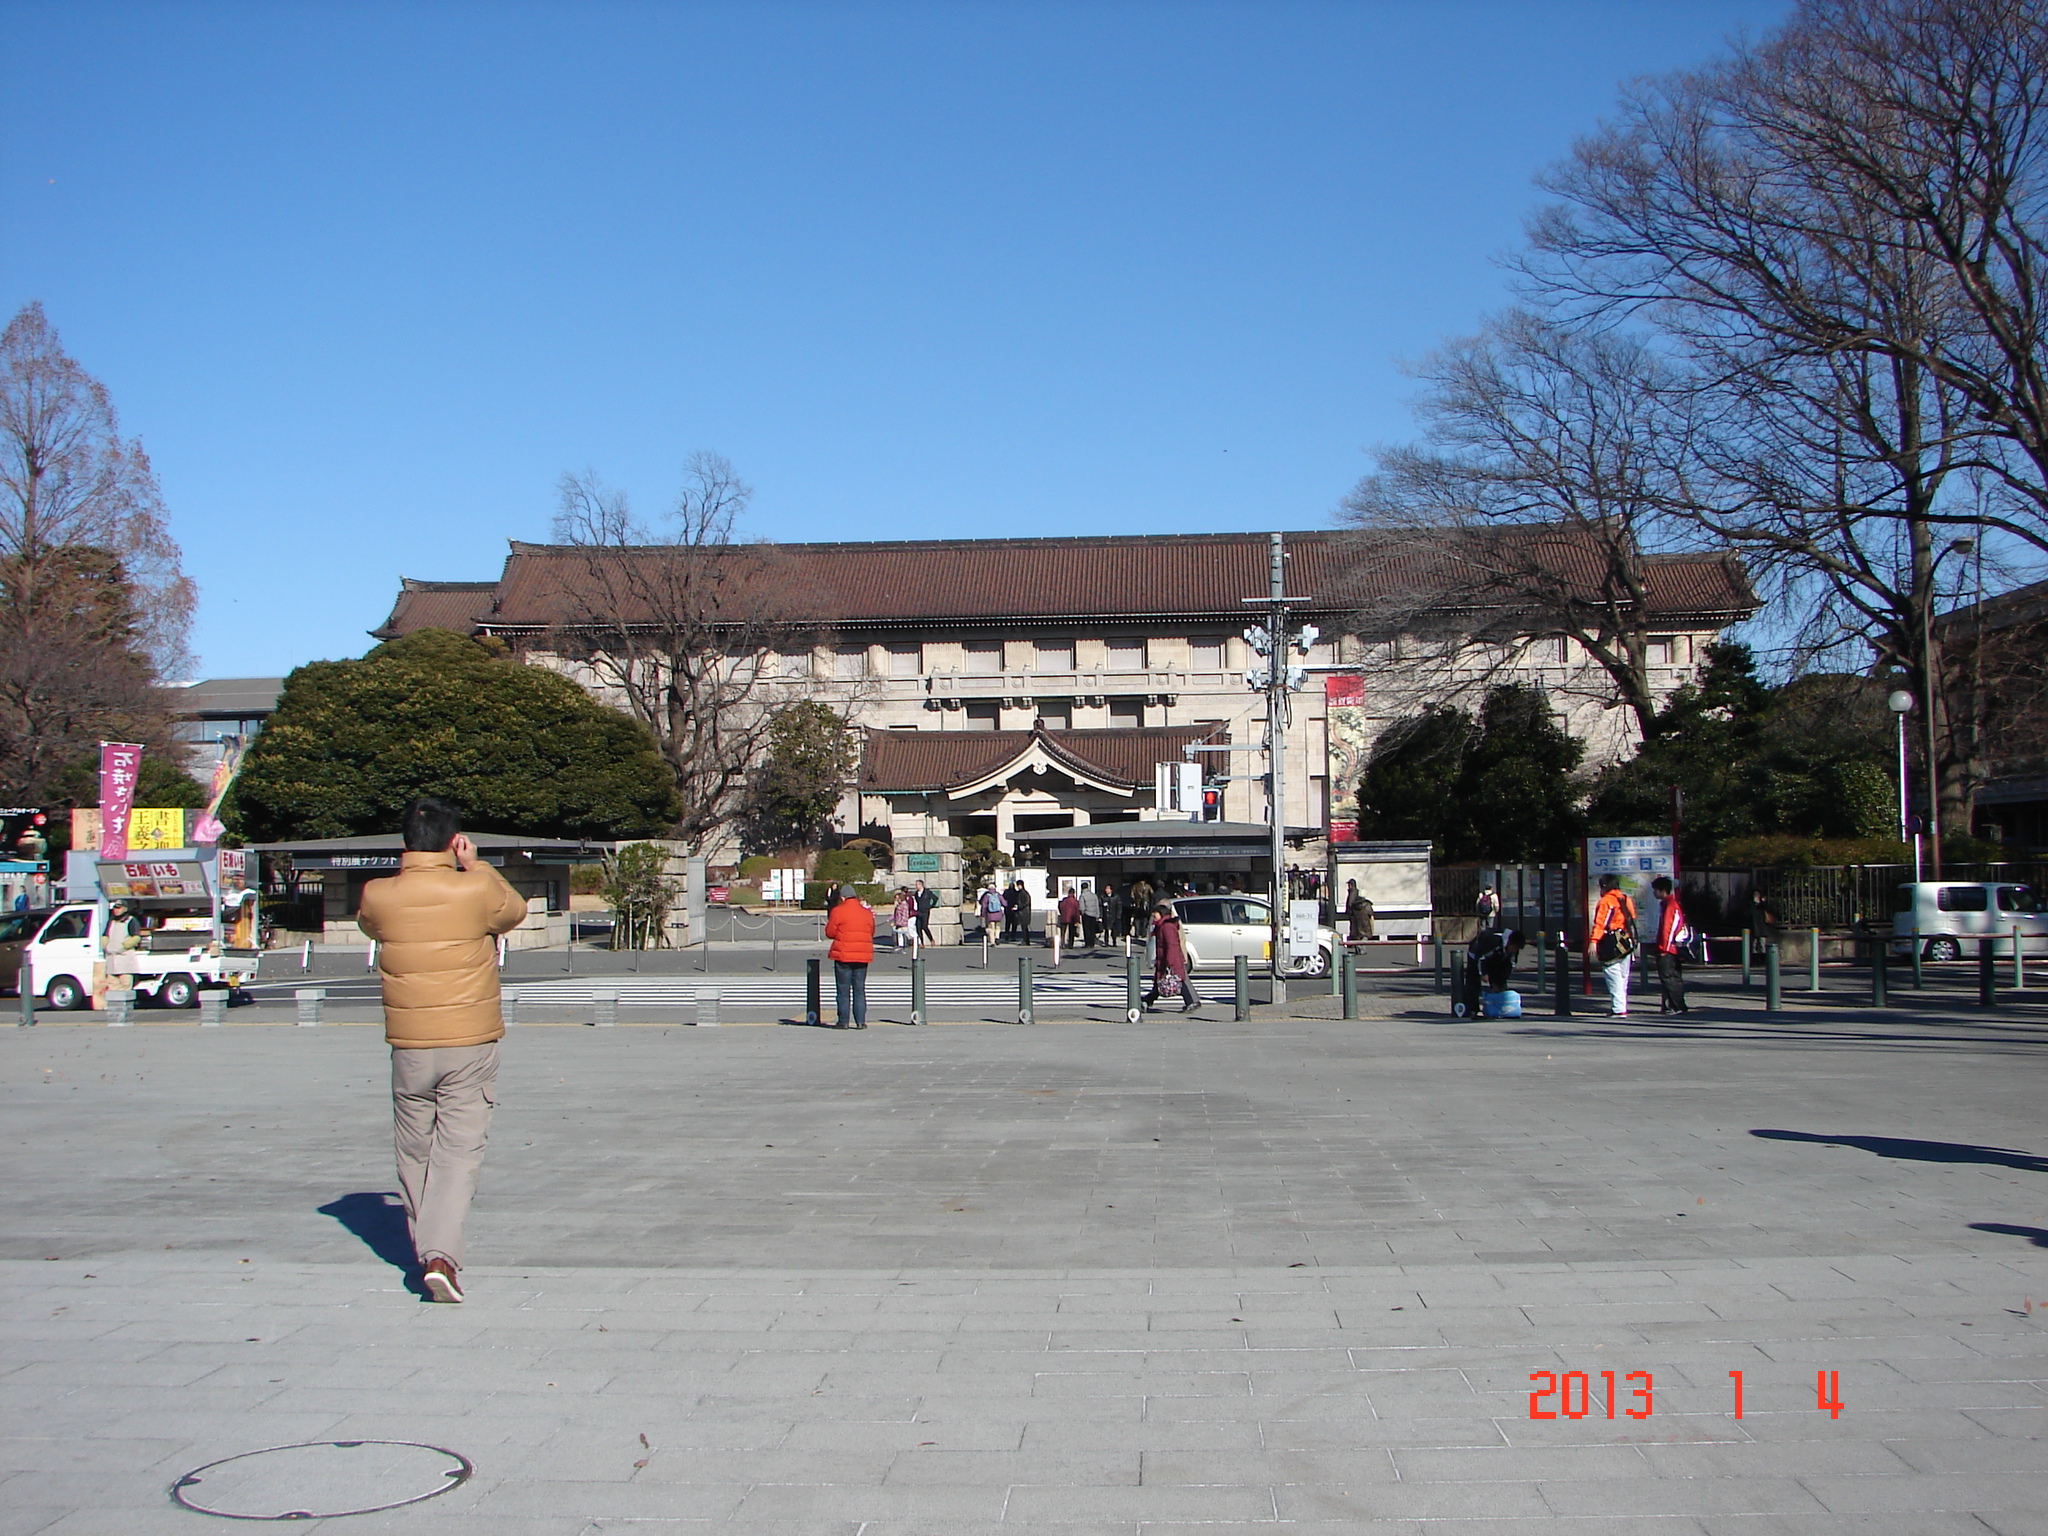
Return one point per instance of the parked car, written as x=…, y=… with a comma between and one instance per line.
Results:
x=1217, y=929
x=1950, y=916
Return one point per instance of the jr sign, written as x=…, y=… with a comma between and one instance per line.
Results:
x=1638, y=861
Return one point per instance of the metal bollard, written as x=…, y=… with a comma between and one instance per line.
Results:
x=1461, y=1006
x=26, y=981
x=1026, y=1014
x=1561, y=1005
x=706, y=999
x=1348, y=979
x=1987, y=974
x=1542, y=955
x=120, y=1009
x=310, y=999
x=1880, y=982
x=918, y=1013
x=1813, y=960
x=604, y=1009
x=1748, y=947
x=1774, y=989
x=1919, y=960
x=814, y=1006
x=2019, y=962
x=1134, y=997
x=512, y=1003
x=1439, y=938
x=213, y=1007
x=1241, y=1000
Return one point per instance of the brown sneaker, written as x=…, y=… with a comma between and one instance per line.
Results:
x=440, y=1281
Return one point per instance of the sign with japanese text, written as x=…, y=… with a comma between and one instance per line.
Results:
x=120, y=767
x=207, y=829
x=155, y=827
x=144, y=878
x=1635, y=861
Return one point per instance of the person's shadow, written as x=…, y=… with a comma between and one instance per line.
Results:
x=2035, y=1235
x=379, y=1220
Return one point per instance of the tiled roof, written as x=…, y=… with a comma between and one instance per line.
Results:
x=240, y=697
x=1139, y=578
x=937, y=760
x=435, y=605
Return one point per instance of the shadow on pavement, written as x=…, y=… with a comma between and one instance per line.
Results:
x=1924, y=1152
x=379, y=1221
x=2038, y=1236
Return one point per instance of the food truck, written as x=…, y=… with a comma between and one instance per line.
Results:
x=196, y=928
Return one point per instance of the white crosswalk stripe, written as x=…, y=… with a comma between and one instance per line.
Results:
x=940, y=991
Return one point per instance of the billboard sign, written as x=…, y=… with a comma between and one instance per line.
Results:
x=1636, y=861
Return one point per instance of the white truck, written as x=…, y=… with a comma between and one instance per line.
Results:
x=180, y=951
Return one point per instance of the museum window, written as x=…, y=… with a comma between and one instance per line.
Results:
x=1205, y=655
x=849, y=662
x=1126, y=653
x=982, y=658
x=1052, y=655
x=1126, y=712
x=906, y=660
x=983, y=714
x=1057, y=714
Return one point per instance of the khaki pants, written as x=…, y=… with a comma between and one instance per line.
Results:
x=441, y=1102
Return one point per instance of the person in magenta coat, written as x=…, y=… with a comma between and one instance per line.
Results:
x=1170, y=958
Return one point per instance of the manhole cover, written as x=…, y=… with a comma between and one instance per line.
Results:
x=321, y=1479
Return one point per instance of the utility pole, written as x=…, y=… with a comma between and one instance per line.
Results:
x=1276, y=678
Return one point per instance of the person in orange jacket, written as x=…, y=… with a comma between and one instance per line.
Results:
x=1612, y=941
x=851, y=928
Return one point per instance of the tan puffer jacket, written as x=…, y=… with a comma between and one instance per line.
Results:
x=434, y=924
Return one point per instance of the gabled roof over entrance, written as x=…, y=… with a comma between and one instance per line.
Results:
x=1119, y=760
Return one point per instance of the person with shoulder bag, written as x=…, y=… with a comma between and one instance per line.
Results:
x=1612, y=942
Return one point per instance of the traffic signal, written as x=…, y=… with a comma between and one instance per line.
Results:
x=1212, y=805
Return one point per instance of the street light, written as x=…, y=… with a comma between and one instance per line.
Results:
x=1901, y=703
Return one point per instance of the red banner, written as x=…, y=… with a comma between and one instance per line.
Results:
x=120, y=764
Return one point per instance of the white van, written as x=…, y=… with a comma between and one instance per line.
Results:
x=1950, y=916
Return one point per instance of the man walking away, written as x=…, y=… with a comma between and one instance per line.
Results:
x=851, y=928
x=434, y=923
x=1612, y=939
x=1358, y=912
x=1091, y=916
x=1674, y=936
x=927, y=903
x=1069, y=916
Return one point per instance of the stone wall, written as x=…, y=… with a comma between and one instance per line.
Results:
x=946, y=881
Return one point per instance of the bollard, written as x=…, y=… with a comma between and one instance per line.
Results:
x=2019, y=962
x=814, y=1007
x=1561, y=974
x=1880, y=982
x=310, y=999
x=604, y=1009
x=1439, y=938
x=1919, y=960
x=1461, y=1006
x=120, y=1009
x=213, y=1007
x=1349, y=981
x=1774, y=989
x=1542, y=956
x=706, y=999
x=1748, y=947
x=1134, y=999
x=1025, y=1012
x=370, y=955
x=513, y=1002
x=1241, y=1001
x=918, y=1015
x=1813, y=960
x=1987, y=974
x=306, y=955
x=26, y=983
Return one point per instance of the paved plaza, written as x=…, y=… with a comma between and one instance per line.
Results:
x=1181, y=1276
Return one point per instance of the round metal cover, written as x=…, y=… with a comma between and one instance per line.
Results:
x=321, y=1479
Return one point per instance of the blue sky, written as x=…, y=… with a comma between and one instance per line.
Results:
x=367, y=278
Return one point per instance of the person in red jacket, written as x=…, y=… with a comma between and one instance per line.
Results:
x=1673, y=935
x=851, y=928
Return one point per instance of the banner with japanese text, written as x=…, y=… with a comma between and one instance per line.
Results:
x=120, y=766
x=208, y=828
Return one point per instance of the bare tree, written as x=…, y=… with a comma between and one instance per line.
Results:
x=94, y=607
x=686, y=627
x=1838, y=231
x=1527, y=510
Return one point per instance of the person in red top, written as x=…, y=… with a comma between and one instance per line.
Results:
x=851, y=928
x=1170, y=960
x=1673, y=935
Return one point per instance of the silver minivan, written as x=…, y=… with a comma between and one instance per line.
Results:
x=1950, y=916
x=1217, y=929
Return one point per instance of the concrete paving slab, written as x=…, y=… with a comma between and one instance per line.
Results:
x=1293, y=1274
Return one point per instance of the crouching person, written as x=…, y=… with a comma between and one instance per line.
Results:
x=435, y=923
